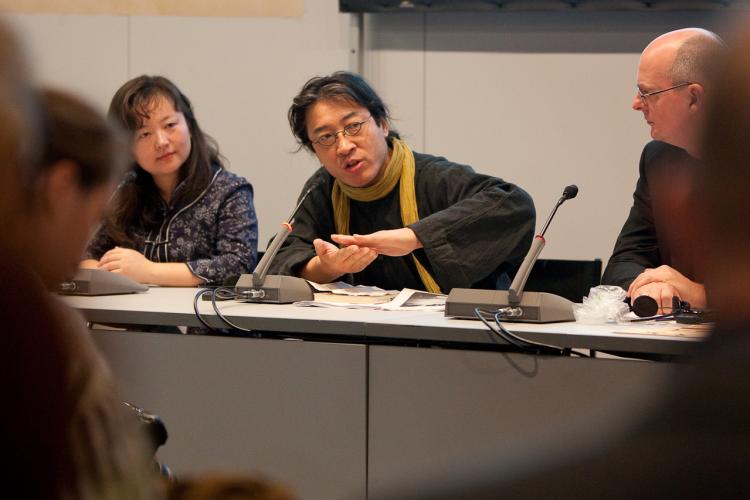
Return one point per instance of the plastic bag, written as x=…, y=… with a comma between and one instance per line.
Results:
x=604, y=304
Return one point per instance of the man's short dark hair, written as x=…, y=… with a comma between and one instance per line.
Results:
x=339, y=86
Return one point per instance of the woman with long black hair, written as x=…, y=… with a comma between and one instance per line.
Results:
x=180, y=218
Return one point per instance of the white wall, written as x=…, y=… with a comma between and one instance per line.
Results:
x=539, y=98
x=240, y=74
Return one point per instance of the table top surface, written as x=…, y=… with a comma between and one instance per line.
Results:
x=174, y=306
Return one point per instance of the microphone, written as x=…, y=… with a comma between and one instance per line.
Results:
x=97, y=281
x=515, y=292
x=644, y=306
x=570, y=192
x=647, y=307
x=258, y=287
x=260, y=271
x=534, y=307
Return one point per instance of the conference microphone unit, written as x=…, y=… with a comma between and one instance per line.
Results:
x=514, y=304
x=275, y=289
x=99, y=282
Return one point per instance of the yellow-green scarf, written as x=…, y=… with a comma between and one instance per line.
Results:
x=400, y=168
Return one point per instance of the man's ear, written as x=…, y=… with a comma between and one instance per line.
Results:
x=696, y=94
x=58, y=184
x=384, y=127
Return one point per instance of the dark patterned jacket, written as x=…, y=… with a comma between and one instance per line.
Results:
x=216, y=234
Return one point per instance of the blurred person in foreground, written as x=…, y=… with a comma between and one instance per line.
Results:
x=696, y=444
x=657, y=253
x=65, y=432
x=226, y=486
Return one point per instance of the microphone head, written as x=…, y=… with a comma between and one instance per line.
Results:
x=570, y=192
x=644, y=306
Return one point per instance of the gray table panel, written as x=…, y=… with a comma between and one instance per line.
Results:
x=307, y=413
x=294, y=411
x=432, y=410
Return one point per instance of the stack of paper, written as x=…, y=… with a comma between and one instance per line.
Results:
x=343, y=295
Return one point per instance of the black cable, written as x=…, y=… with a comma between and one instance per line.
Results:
x=539, y=346
x=225, y=291
x=479, y=313
x=524, y=344
x=219, y=293
x=197, y=297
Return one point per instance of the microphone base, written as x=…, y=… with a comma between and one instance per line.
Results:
x=275, y=289
x=536, y=307
x=98, y=282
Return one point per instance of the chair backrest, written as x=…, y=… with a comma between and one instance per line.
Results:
x=571, y=279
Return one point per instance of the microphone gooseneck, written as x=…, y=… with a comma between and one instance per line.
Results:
x=290, y=220
x=519, y=281
x=260, y=271
x=569, y=193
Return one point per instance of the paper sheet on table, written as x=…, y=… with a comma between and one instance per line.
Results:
x=416, y=300
x=341, y=288
x=406, y=300
x=347, y=301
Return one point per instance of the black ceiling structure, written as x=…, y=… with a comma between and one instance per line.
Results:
x=384, y=6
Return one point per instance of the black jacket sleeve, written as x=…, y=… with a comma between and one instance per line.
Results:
x=637, y=246
x=478, y=225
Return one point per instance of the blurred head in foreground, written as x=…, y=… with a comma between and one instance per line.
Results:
x=83, y=154
x=226, y=487
x=725, y=207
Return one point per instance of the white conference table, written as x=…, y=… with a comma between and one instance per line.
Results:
x=358, y=404
x=174, y=307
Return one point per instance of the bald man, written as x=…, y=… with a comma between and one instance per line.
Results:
x=656, y=252
x=696, y=444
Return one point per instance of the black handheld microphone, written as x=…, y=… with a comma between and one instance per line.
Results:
x=644, y=306
x=647, y=307
x=515, y=291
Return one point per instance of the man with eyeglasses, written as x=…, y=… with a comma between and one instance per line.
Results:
x=656, y=252
x=380, y=214
x=690, y=438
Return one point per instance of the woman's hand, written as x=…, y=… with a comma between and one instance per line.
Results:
x=128, y=262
